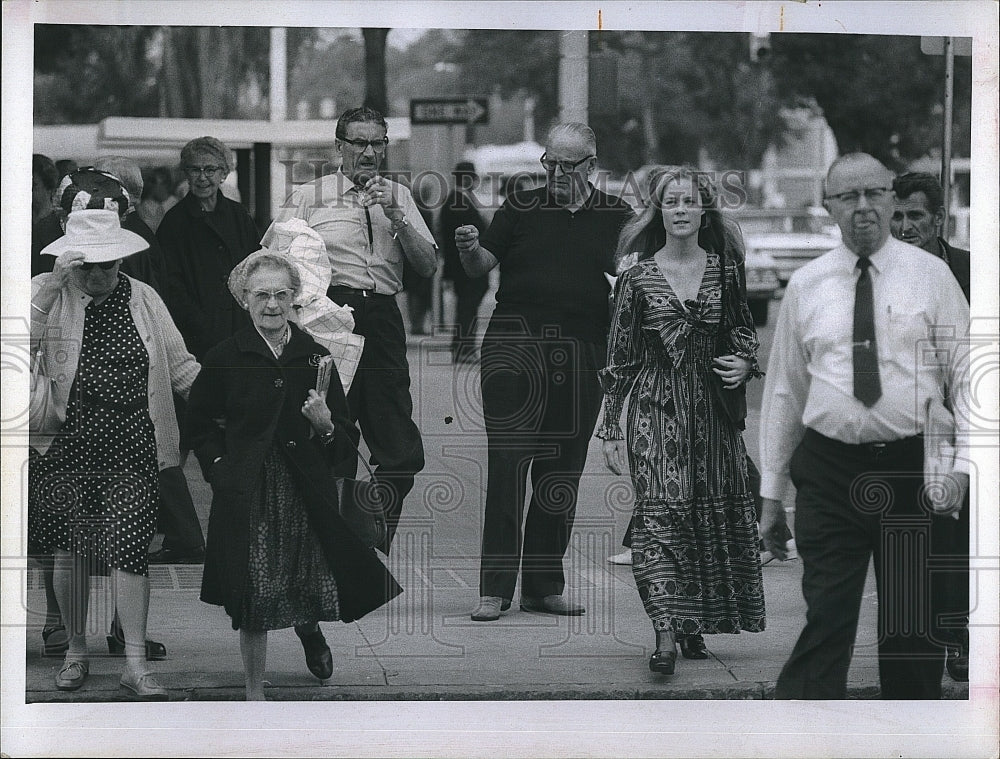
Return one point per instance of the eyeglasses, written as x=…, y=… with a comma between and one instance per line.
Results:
x=567, y=167
x=208, y=171
x=851, y=197
x=103, y=265
x=263, y=297
x=377, y=146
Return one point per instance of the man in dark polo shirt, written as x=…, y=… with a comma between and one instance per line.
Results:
x=540, y=356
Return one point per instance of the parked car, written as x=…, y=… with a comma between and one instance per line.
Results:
x=791, y=236
x=762, y=284
x=790, y=250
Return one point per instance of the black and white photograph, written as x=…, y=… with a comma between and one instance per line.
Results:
x=500, y=379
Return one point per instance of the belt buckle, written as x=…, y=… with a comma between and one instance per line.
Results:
x=365, y=293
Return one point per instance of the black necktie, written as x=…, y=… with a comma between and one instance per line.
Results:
x=867, y=387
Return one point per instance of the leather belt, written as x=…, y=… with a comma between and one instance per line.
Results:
x=873, y=450
x=344, y=290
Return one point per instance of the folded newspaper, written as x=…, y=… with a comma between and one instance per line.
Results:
x=939, y=455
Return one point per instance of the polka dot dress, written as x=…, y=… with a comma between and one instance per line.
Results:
x=95, y=491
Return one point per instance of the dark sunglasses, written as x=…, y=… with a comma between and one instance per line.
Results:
x=103, y=265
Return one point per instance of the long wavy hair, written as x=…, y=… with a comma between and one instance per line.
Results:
x=644, y=233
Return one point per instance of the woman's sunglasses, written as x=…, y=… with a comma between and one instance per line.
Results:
x=103, y=265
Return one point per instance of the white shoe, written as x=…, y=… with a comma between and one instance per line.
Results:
x=793, y=551
x=625, y=557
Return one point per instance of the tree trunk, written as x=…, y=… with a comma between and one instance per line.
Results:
x=375, y=90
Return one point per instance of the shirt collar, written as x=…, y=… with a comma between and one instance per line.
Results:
x=344, y=183
x=284, y=340
x=880, y=259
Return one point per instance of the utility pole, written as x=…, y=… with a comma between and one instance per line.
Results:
x=573, y=76
x=279, y=74
x=949, y=109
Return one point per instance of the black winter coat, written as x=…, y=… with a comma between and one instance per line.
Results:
x=259, y=399
x=199, y=250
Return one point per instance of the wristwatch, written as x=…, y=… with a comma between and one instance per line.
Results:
x=398, y=225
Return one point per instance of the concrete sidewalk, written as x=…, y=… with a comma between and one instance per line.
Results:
x=423, y=646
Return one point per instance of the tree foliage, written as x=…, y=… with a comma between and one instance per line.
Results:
x=86, y=73
x=879, y=94
x=680, y=96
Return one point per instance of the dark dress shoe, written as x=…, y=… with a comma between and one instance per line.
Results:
x=155, y=651
x=663, y=662
x=319, y=659
x=173, y=556
x=958, y=664
x=692, y=646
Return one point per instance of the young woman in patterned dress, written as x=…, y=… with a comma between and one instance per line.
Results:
x=694, y=539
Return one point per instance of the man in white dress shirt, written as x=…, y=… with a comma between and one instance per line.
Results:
x=867, y=335
x=370, y=224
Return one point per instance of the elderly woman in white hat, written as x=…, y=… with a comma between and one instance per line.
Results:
x=278, y=554
x=106, y=358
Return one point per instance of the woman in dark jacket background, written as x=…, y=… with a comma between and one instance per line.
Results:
x=203, y=237
x=278, y=554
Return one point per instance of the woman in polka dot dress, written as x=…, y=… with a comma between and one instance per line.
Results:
x=110, y=358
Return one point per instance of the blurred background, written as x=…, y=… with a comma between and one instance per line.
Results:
x=768, y=112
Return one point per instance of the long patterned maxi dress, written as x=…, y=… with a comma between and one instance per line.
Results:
x=694, y=535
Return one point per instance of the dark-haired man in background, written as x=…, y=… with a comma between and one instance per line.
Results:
x=919, y=219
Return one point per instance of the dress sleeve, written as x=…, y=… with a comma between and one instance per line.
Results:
x=625, y=355
x=743, y=341
x=206, y=405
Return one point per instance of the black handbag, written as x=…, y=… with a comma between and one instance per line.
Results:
x=732, y=404
x=362, y=506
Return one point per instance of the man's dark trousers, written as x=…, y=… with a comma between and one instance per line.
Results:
x=379, y=399
x=855, y=503
x=541, y=397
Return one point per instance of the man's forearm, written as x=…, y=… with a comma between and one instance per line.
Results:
x=477, y=261
x=418, y=251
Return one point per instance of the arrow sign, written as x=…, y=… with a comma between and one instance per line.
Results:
x=467, y=110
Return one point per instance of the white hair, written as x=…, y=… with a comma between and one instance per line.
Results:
x=576, y=130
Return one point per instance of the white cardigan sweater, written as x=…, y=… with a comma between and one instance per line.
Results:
x=56, y=338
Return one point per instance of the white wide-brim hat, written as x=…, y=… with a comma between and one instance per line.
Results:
x=98, y=235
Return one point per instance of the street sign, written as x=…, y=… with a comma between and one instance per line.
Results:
x=450, y=111
x=935, y=45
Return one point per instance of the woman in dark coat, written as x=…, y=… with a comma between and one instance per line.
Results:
x=202, y=238
x=278, y=554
